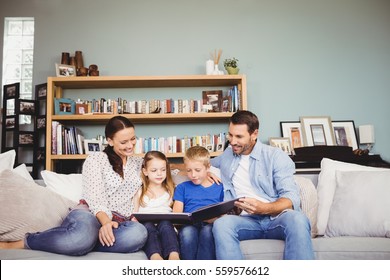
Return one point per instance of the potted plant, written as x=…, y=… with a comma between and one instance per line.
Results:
x=231, y=66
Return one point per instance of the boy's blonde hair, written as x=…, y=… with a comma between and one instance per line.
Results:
x=198, y=153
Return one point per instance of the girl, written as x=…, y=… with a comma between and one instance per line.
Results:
x=155, y=196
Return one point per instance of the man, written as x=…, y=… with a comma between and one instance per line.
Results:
x=263, y=176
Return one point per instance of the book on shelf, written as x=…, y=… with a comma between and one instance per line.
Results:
x=202, y=214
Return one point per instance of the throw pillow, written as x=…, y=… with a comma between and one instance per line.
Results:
x=309, y=201
x=360, y=206
x=7, y=160
x=68, y=185
x=28, y=207
x=327, y=186
x=22, y=171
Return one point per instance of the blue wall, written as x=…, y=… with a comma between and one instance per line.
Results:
x=301, y=57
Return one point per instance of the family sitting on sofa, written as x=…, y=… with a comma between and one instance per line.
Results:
x=113, y=189
x=270, y=192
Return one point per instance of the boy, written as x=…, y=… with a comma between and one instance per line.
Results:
x=197, y=241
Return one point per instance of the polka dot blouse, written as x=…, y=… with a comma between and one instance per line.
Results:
x=105, y=190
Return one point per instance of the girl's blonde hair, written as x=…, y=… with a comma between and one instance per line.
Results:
x=168, y=183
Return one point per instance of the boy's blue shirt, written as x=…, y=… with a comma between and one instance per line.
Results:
x=196, y=196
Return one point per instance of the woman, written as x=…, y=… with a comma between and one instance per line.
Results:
x=101, y=222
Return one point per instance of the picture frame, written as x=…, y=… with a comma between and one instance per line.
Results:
x=293, y=131
x=64, y=106
x=40, y=155
x=92, y=146
x=226, y=103
x=26, y=107
x=9, y=123
x=283, y=143
x=64, y=70
x=11, y=91
x=81, y=108
x=41, y=122
x=26, y=138
x=213, y=98
x=41, y=91
x=317, y=131
x=345, y=133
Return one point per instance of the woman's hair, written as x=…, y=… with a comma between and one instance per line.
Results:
x=198, y=153
x=246, y=117
x=114, y=125
x=167, y=183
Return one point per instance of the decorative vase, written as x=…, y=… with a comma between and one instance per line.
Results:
x=232, y=71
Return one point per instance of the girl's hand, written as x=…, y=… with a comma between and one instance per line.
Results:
x=213, y=178
x=106, y=234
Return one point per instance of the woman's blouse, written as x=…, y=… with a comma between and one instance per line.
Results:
x=105, y=190
x=161, y=204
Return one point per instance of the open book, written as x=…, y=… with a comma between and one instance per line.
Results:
x=204, y=213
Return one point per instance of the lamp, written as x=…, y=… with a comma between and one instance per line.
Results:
x=366, y=135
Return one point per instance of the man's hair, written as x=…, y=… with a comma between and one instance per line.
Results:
x=246, y=117
x=198, y=153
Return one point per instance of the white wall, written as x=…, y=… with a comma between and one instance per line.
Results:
x=301, y=57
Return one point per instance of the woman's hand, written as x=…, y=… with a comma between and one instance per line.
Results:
x=106, y=234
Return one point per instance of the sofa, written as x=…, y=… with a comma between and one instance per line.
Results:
x=346, y=204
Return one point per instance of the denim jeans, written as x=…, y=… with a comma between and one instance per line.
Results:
x=291, y=226
x=197, y=242
x=162, y=239
x=78, y=235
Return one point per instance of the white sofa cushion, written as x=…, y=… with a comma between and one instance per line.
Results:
x=68, y=185
x=327, y=185
x=361, y=205
x=7, y=160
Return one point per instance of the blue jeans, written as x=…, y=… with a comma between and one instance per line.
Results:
x=197, y=242
x=78, y=235
x=162, y=239
x=292, y=226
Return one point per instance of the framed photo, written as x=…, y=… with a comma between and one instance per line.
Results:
x=226, y=104
x=293, y=131
x=40, y=155
x=41, y=91
x=92, y=145
x=64, y=106
x=63, y=70
x=317, y=131
x=27, y=107
x=26, y=138
x=41, y=122
x=213, y=98
x=345, y=134
x=9, y=123
x=282, y=143
x=81, y=108
x=11, y=90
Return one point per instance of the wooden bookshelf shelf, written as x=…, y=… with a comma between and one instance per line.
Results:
x=56, y=87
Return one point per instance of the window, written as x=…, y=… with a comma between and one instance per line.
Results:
x=18, y=52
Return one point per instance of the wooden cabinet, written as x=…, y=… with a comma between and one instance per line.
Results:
x=57, y=86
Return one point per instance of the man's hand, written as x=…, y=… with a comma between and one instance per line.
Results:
x=252, y=205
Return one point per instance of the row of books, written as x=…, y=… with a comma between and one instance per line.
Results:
x=70, y=140
x=66, y=140
x=228, y=101
x=174, y=144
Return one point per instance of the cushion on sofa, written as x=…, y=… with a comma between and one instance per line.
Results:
x=7, y=160
x=309, y=201
x=327, y=185
x=360, y=206
x=68, y=185
x=28, y=207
